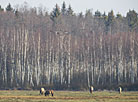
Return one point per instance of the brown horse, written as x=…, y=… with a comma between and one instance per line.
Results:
x=49, y=92
x=52, y=92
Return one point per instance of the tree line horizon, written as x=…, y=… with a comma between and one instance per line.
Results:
x=45, y=11
x=65, y=50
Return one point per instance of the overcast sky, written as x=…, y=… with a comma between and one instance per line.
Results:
x=119, y=6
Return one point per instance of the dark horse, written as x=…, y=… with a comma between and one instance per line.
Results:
x=49, y=92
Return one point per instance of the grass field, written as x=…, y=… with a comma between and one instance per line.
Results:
x=67, y=96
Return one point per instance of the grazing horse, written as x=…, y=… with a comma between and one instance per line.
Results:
x=120, y=90
x=52, y=92
x=91, y=89
x=49, y=92
x=42, y=91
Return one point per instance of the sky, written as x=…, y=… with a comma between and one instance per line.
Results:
x=118, y=6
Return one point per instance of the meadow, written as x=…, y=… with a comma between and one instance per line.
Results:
x=67, y=96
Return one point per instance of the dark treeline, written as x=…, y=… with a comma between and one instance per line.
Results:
x=65, y=50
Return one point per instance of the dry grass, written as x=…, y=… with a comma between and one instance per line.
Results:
x=67, y=96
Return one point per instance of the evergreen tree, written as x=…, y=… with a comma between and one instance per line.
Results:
x=111, y=18
x=132, y=19
x=88, y=13
x=105, y=17
x=119, y=16
x=97, y=14
x=80, y=15
x=70, y=11
x=16, y=13
x=63, y=8
x=9, y=8
x=109, y=21
x=55, y=13
x=1, y=9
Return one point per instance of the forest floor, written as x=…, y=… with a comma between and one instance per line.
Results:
x=68, y=96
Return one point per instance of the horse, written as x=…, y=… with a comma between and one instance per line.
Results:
x=42, y=91
x=120, y=90
x=49, y=92
x=91, y=89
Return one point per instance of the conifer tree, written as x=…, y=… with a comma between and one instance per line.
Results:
x=119, y=16
x=55, y=13
x=110, y=21
x=88, y=13
x=80, y=15
x=70, y=11
x=9, y=8
x=132, y=19
x=97, y=14
x=1, y=9
x=63, y=8
x=105, y=17
x=16, y=13
x=110, y=18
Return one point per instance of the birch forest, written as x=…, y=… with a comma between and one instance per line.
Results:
x=62, y=49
